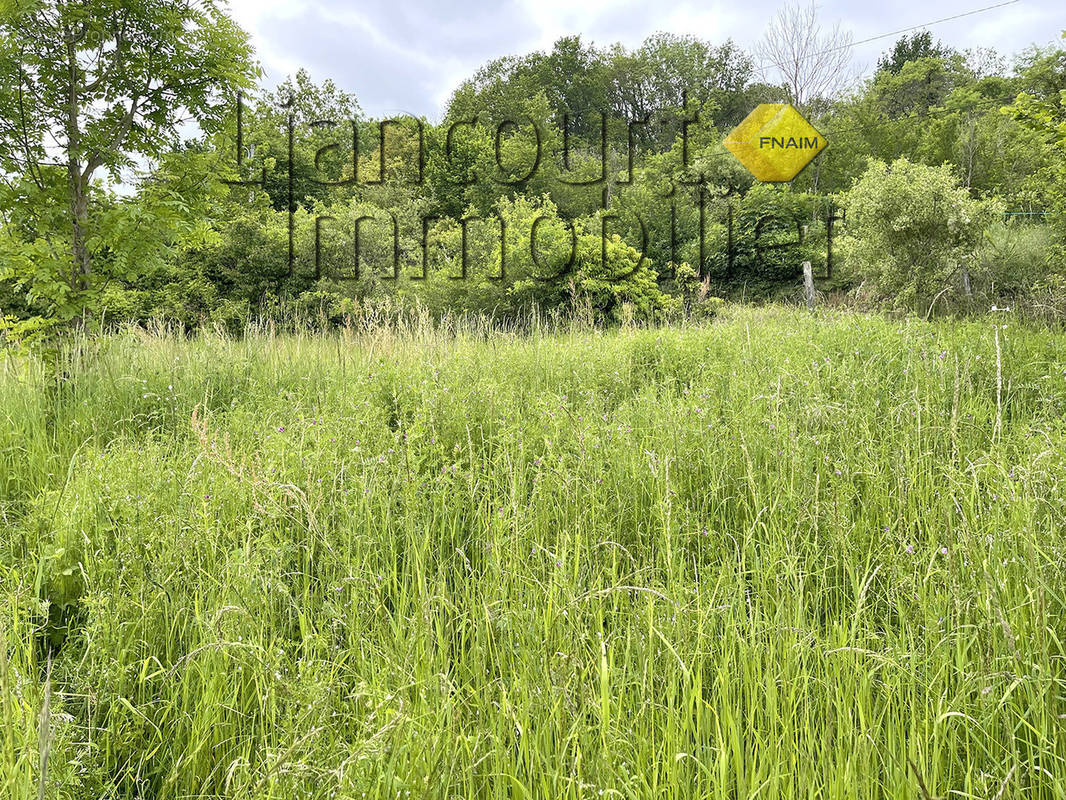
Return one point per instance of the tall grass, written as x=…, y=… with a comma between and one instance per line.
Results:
x=778, y=556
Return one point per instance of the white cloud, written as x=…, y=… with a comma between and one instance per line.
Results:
x=409, y=54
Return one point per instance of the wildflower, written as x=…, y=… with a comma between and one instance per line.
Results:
x=910, y=549
x=281, y=429
x=943, y=551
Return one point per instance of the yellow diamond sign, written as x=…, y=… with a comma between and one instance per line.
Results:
x=775, y=142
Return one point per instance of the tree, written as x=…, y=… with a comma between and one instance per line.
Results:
x=918, y=86
x=1043, y=112
x=94, y=86
x=814, y=64
x=911, y=48
x=669, y=71
x=322, y=115
x=572, y=77
x=548, y=263
x=1043, y=70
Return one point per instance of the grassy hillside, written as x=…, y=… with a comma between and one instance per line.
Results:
x=780, y=556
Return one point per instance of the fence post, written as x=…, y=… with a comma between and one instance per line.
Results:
x=808, y=285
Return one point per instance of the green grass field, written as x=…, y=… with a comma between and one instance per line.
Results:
x=776, y=556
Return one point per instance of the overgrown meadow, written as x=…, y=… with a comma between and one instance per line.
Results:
x=776, y=555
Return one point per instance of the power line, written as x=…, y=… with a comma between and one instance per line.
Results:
x=919, y=27
x=849, y=45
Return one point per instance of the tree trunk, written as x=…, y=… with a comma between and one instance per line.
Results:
x=79, y=215
x=77, y=180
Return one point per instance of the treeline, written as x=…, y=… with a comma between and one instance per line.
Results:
x=584, y=175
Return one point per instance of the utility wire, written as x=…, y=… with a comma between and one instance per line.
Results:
x=917, y=27
x=849, y=45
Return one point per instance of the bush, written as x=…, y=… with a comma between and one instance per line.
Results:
x=1017, y=265
x=579, y=263
x=773, y=236
x=1012, y=260
x=911, y=230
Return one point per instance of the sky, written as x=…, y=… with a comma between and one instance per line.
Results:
x=406, y=56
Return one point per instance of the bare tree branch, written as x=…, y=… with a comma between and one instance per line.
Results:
x=815, y=65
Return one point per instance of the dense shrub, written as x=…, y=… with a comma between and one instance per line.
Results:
x=912, y=230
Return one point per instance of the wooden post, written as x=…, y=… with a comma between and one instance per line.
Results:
x=808, y=285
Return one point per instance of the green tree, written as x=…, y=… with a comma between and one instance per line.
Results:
x=918, y=86
x=573, y=78
x=322, y=116
x=669, y=70
x=548, y=262
x=92, y=87
x=1042, y=110
x=911, y=48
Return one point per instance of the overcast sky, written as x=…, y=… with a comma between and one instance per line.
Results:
x=407, y=55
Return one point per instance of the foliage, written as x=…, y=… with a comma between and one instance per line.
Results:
x=917, y=46
x=652, y=81
x=1014, y=262
x=773, y=235
x=99, y=83
x=322, y=117
x=911, y=230
x=182, y=244
x=546, y=262
x=1043, y=111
